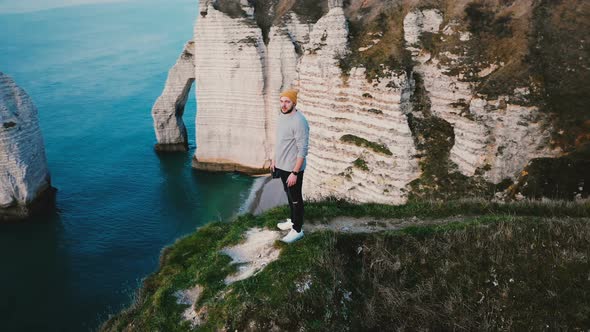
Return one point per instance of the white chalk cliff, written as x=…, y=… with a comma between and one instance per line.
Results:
x=229, y=69
x=488, y=126
x=362, y=146
x=24, y=176
x=336, y=107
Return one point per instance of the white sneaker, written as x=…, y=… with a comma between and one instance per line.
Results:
x=292, y=236
x=285, y=225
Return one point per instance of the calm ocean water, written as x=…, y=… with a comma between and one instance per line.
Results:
x=94, y=72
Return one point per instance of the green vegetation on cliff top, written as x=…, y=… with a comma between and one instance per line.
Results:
x=361, y=142
x=502, y=266
x=541, y=46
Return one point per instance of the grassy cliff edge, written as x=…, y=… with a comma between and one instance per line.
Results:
x=522, y=265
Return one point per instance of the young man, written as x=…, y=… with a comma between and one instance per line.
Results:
x=292, y=140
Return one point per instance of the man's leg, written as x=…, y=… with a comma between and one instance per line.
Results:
x=284, y=176
x=297, y=203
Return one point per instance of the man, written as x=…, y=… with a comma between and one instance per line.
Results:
x=292, y=139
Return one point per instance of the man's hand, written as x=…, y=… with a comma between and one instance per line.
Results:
x=272, y=165
x=291, y=180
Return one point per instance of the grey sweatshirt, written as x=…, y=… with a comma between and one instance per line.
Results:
x=292, y=140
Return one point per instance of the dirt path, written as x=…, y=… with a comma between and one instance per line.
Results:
x=259, y=249
x=373, y=225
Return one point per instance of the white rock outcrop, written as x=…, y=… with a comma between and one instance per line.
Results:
x=254, y=254
x=495, y=136
x=169, y=107
x=25, y=184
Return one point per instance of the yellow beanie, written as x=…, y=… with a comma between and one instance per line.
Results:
x=291, y=94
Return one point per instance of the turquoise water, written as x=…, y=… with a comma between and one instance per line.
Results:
x=94, y=72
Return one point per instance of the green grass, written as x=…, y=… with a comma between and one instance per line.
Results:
x=331, y=208
x=360, y=164
x=555, y=178
x=495, y=273
x=419, y=277
x=359, y=141
x=375, y=111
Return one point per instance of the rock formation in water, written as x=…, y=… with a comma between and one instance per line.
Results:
x=169, y=108
x=25, y=185
x=405, y=99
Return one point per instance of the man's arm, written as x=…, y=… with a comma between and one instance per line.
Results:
x=272, y=158
x=302, y=142
x=298, y=164
x=292, y=179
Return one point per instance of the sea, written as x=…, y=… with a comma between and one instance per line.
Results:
x=94, y=70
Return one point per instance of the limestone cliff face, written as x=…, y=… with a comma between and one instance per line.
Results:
x=405, y=99
x=344, y=113
x=494, y=137
x=229, y=64
x=239, y=76
x=24, y=176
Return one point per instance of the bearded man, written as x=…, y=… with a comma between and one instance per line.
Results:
x=291, y=145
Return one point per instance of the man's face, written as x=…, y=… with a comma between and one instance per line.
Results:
x=286, y=104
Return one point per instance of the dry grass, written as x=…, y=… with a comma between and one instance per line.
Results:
x=308, y=10
x=512, y=274
x=561, y=62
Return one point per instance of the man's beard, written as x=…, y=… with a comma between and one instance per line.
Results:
x=289, y=110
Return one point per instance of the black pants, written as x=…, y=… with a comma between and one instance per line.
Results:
x=295, y=198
